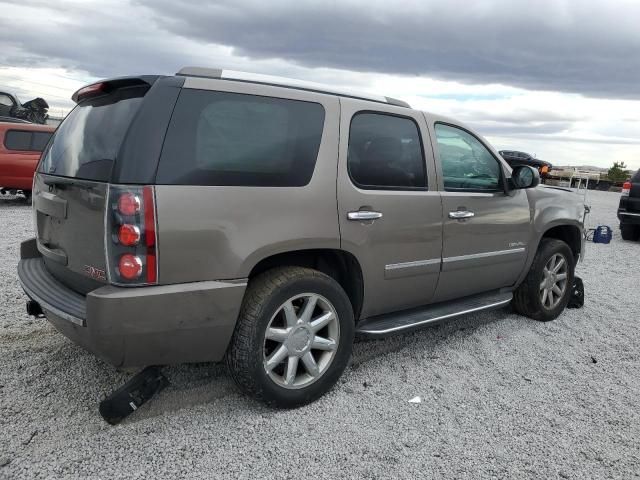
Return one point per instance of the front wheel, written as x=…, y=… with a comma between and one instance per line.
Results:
x=293, y=338
x=546, y=290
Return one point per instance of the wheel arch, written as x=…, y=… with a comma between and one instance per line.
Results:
x=340, y=265
x=569, y=232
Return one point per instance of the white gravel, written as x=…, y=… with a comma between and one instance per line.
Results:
x=502, y=396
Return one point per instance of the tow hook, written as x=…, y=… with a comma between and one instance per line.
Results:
x=132, y=395
x=34, y=309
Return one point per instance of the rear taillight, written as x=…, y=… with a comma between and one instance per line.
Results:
x=131, y=235
x=128, y=203
x=150, y=234
x=130, y=266
x=626, y=189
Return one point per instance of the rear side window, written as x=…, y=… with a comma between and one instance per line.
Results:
x=87, y=142
x=221, y=138
x=385, y=152
x=6, y=100
x=26, y=141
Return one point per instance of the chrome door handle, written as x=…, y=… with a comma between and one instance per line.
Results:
x=460, y=214
x=362, y=215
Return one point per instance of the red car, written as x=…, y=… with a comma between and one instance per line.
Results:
x=21, y=145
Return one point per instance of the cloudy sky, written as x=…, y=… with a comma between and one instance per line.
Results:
x=557, y=78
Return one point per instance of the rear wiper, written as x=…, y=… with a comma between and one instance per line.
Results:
x=60, y=182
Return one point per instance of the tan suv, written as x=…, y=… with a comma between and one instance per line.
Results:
x=216, y=214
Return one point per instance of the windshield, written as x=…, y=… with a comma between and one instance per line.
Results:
x=87, y=142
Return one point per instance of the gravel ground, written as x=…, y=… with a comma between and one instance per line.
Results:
x=502, y=396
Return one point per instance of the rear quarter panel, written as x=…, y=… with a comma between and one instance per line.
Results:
x=222, y=232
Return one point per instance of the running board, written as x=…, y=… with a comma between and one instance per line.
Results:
x=405, y=320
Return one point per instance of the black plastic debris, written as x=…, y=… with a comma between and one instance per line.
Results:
x=577, y=294
x=34, y=111
x=132, y=395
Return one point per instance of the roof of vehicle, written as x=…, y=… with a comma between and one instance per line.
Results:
x=515, y=153
x=220, y=74
x=12, y=119
x=523, y=157
x=33, y=127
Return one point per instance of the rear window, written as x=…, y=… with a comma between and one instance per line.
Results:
x=87, y=142
x=26, y=141
x=221, y=138
x=636, y=177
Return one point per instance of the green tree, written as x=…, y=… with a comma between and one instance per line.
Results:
x=618, y=173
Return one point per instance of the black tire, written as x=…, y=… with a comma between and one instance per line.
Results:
x=27, y=196
x=526, y=299
x=265, y=295
x=630, y=232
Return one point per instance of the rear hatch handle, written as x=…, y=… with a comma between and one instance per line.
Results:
x=56, y=254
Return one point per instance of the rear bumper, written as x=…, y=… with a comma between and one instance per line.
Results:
x=627, y=217
x=135, y=327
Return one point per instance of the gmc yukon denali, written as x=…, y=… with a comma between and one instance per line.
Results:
x=217, y=215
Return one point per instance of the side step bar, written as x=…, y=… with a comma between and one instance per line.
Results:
x=415, y=318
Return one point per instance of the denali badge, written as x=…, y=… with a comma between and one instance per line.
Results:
x=95, y=273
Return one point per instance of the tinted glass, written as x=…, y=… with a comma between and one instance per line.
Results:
x=220, y=138
x=385, y=152
x=636, y=177
x=39, y=140
x=87, y=142
x=466, y=162
x=18, y=140
x=5, y=100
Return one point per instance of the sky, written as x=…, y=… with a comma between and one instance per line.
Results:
x=556, y=78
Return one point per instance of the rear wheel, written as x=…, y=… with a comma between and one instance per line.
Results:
x=293, y=338
x=546, y=290
x=630, y=232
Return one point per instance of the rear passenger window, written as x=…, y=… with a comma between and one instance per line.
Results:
x=385, y=152
x=220, y=138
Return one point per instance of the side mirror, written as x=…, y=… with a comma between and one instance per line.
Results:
x=525, y=176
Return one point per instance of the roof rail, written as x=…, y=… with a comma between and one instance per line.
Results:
x=218, y=73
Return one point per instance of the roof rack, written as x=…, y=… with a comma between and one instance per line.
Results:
x=218, y=73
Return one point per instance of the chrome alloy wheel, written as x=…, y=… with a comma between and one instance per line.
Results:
x=301, y=341
x=554, y=281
